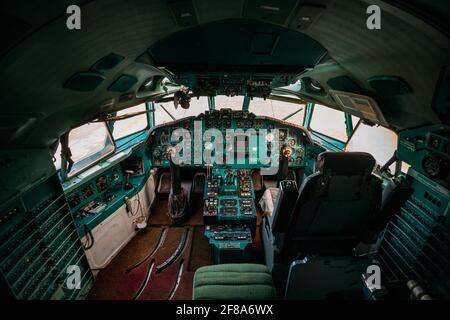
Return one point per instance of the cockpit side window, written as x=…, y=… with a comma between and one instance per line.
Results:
x=329, y=122
x=129, y=126
x=380, y=142
x=89, y=144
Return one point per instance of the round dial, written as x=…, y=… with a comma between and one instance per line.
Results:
x=299, y=152
x=432, y=165
x=287, y=152
x=291, y=142
x=156, y=154
x=170, y=152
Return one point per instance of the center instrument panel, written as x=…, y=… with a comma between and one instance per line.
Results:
x=295, y=139
x=229, y=214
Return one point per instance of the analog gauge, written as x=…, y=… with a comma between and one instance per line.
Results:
x=283, y=135
x=87, y=191
x=299, y=152
x=288, y=152
x=291, y=142
x=74, y=200
x=432, y=165
x=298, y=161
x=101, y=183
x=156, y=154
x=434, y=143
x=269, y=137
x=164, y=138
x=115, y=176
x=170, y=152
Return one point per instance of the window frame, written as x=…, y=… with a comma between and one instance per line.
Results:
x=72, y=174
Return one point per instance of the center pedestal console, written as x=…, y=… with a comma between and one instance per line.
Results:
x=229, y=214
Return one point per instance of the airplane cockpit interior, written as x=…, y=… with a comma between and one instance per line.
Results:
x=225, y=150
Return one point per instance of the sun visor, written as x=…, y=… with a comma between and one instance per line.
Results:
x=360, y=106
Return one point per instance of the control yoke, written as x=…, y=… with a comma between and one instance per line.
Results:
x=178, y=199
x=283, y=166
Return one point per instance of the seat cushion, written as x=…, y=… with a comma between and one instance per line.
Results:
x=244, y=281
x=267, y=201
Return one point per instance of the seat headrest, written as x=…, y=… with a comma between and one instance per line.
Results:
x=345, y=163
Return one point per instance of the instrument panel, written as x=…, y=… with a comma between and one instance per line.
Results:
x=427, y=150
x=230, y=126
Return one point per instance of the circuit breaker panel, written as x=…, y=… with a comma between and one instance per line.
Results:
x=41, y=255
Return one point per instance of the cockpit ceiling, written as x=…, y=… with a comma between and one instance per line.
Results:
x=237, y=45
x=39, y=54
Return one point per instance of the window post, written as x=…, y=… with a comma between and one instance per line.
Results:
x=211, y=103
x=349, y=124
x=308, y=115
x=246, y=104
x=150, y=106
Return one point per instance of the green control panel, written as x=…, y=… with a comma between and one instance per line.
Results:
x=229, y=214
x=229, y=243
x=40, y=246
x=228, y=127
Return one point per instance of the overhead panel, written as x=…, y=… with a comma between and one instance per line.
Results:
x=236, y=44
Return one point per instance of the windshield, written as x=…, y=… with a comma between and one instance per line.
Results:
x=166, y=111
x=288, y=111
x=234, y=103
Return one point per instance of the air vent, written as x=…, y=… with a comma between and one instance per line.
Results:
x=344, y=83
x=389, y=85
x=107, y=63
x=84, y=81
x=123, y=83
